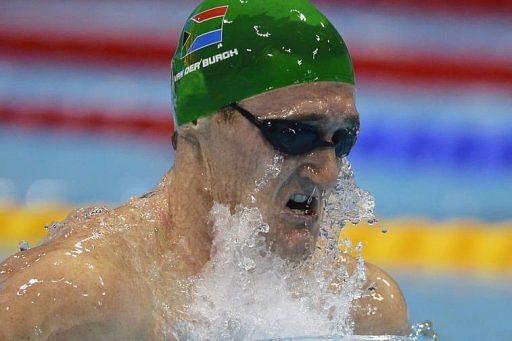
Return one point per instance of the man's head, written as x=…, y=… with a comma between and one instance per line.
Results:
x=290, y=64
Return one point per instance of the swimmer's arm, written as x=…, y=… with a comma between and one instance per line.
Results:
x=46, y=293
x=382, y=310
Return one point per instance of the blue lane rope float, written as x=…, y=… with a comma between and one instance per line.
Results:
x=454, y=147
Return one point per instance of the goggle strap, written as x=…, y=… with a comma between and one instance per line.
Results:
x=246, y=114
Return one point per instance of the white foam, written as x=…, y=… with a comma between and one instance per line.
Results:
x=247, y=292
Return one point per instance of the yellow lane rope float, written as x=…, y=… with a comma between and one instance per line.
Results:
x=416, y=244
x=409, y=244
x=25, y=224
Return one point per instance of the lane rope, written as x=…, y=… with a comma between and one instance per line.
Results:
x=410, y=244
x=129, y=51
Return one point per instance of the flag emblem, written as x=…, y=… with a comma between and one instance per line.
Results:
x=205, y=30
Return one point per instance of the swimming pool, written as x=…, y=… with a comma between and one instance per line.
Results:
x=427, y=149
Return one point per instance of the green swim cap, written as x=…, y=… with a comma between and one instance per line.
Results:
x=234, y=49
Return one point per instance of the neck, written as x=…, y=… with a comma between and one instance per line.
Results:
x=189, y=207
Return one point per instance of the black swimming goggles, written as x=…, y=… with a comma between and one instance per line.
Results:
x=297, y=138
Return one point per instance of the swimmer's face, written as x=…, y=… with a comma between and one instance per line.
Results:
x=242, y=155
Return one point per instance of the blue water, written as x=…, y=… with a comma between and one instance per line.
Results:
x=85, y=168
x=461, y=307
x=90, y=168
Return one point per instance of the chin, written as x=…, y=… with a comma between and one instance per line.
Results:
x=291, y=242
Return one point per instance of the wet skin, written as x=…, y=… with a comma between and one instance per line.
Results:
x=120, y=274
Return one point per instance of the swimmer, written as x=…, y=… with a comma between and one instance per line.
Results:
x=250, y=79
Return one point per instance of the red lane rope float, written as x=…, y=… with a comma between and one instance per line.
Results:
x=88, y=46
x=157, y=51
x=437, y=69
x=134, y=122
x=476, y=7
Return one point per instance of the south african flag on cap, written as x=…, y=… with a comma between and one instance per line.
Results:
x=206, y=30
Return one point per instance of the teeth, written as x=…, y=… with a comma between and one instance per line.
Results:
x=299, y=198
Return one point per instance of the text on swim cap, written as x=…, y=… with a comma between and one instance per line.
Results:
x=206, y=62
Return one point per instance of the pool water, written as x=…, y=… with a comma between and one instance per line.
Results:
x=461, y=307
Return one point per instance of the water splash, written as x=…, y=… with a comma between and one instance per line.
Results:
x=423, y=332
x=348, y=202
x=271, y=172
x=349, y=338
x=74, y=218
x=248, y=292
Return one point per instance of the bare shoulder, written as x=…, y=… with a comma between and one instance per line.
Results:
x=71, y=289
x=382, y=309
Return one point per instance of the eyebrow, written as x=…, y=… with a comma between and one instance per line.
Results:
x=298, y=116
x=311, y=116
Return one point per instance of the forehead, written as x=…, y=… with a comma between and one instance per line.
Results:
x=316, y=101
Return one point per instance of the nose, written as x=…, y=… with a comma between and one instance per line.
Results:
x=321, y=167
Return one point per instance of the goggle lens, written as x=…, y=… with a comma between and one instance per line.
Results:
x=291, y=137
x=344, y=140
x=298, y=138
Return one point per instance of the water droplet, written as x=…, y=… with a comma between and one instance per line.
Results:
x=92, y=211
x=23, y=245
x=372, y=221
x=424, y=331
x=53, y=227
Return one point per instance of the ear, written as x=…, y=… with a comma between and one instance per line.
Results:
x=191, y=139
x=189, y=134
x=174, y=140
x=192, y=156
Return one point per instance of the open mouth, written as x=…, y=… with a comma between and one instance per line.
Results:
x=301, y=210
x=302, y=204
